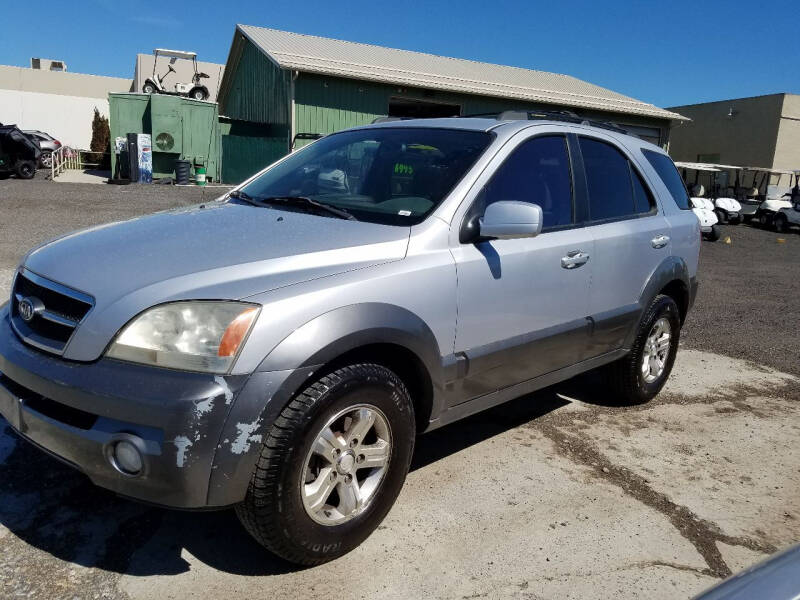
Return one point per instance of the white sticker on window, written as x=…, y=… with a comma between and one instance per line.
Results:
x=404, y=213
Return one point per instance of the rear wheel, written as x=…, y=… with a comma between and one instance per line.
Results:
x=722, y=216
x=735, y=220
x=640, y=375
x=46, y=159
x=332, y=465
x=25, y=169
x=763, y=219
x=198, y=93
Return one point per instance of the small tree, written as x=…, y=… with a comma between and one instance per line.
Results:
x=100, y=145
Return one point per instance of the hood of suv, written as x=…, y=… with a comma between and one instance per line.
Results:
x=217, y=251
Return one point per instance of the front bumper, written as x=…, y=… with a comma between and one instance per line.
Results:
x=77, y=411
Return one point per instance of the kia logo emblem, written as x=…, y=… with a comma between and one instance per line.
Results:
x=28, y=307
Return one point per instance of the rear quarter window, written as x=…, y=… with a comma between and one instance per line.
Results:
x=668, y=173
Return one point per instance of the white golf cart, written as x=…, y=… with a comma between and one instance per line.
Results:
x=713, y=181
x=155, y=84
x=702, y=207
x=789, y=215
x=778, y=198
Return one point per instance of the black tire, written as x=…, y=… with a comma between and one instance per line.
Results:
x=25, y=169
x=624, y=377
x=722, y=216
x=198, y=93
x=780, y=223
x=747, y=219
x=46, y=159
x=763, y=219
x=714, y=234
x=735, y=220
x=273, y=511
x=149, y=88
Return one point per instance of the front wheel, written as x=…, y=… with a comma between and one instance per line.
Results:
x=722, y=216
x=714, y=234
x=763, y=219
x=46, y=159
x=639, y=376
x=332, y=465
x=780, y=222
x=149, y=88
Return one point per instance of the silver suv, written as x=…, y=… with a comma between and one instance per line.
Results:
x=278, y=349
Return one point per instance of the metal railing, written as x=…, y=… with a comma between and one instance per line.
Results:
x=69, y=158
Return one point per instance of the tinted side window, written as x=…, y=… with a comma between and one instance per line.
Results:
x=669, y=175
x=608, y=179
x=538, y=172
x=641, y=195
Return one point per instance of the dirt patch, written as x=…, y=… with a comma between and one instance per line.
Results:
x=703, y=534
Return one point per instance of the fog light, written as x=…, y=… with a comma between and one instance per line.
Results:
x=127, y=458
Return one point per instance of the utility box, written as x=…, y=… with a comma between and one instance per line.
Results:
x=180, y=128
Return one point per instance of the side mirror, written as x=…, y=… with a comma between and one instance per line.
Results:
x=511, y=219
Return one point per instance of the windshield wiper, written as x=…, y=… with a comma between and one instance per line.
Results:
x=244, y=197
x=308, y=202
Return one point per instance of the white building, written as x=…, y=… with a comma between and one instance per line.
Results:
x=56, y=101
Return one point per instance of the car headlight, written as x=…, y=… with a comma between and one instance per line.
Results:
x=193, y=336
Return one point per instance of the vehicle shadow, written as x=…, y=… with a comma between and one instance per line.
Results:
x=55, y=509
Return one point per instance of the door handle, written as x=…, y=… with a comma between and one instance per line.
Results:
x=574, y=259
x=659, y=241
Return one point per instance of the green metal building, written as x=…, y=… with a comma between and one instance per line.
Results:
x=179, y=128
x=279, y=84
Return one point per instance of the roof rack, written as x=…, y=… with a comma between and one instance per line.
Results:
x=546, y=115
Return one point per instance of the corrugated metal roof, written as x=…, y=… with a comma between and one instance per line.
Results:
x=327, y=56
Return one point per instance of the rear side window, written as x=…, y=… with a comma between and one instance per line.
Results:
x=608, y=177
x=538, y=171
x=666, y=170
x=642, y=198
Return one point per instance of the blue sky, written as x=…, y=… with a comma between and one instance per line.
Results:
x=667, y=52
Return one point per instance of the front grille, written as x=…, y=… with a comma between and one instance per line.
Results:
x=58, y=310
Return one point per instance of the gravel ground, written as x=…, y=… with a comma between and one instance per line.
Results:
x=748, y=304
x=561, y=494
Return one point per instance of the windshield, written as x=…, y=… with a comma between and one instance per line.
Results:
x=394, y=176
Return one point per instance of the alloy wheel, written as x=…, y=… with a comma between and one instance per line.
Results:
x=656, y=350
x=346, y=465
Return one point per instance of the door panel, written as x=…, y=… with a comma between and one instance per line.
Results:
x=520, y=312
x=624, y=260
x=631, y=240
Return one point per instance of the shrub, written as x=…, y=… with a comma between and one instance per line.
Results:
x=101, y=144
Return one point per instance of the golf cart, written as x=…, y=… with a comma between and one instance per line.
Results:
x=778, y=197
x=18, y=154
x=702, y=207
x=749, y=195
x=155, y=84
x=789, y=215
x=728, y=209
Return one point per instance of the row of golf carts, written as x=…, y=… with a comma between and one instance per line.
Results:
x=730, y=194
